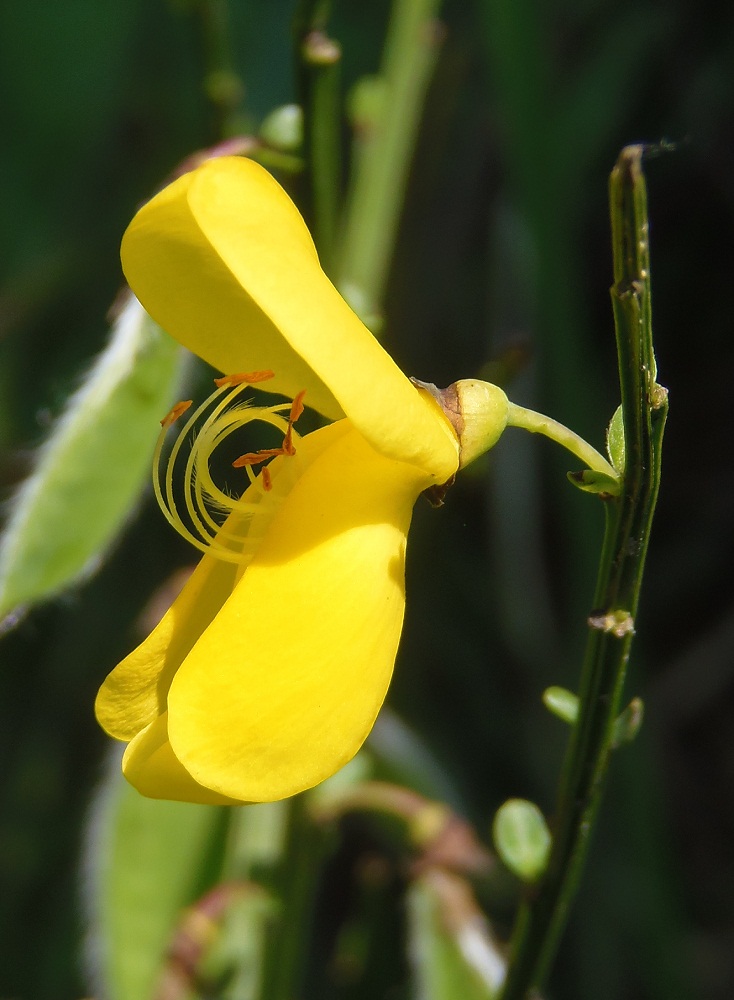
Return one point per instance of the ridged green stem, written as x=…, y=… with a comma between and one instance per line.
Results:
x=543, y=914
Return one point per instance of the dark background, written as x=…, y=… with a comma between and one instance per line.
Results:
x=503, y=253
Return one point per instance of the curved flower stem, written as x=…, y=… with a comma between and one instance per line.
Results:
x=537, y=423
x=543, y=914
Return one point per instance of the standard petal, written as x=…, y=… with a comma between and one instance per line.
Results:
x=285, y=684
x=223, y=260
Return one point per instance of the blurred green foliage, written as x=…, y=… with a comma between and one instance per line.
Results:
x=502, y=268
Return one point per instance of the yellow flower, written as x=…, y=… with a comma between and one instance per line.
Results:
x=267, y=673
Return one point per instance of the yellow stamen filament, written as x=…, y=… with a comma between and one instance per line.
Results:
x=287, y=448
x=217, y=522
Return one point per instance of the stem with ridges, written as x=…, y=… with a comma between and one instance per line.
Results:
x=543, y=914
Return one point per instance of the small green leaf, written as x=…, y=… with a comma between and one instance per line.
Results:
x=452, y=952
x=147, y=860
x=90, y=471
x=522, y=838
x=590, y=481
x=562, y=703
x=628, y=723
x=615, y=440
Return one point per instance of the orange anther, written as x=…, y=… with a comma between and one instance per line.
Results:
x=250, y=377
x=297, y=408
x=178, y=410
x=266, y=478
x=254, y=457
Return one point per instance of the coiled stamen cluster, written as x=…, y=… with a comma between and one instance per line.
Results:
x=216, y=522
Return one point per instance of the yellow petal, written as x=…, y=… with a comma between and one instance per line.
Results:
x=135, y=692
x=222, y=260
x=283, y=687
x=151, y=766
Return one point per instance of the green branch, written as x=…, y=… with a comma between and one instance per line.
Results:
x=543, y=914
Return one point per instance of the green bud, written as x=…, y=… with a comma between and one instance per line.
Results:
x=366, y=103
x=320, y=50
x=283, y=128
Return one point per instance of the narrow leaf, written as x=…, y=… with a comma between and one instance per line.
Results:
x=615, y=440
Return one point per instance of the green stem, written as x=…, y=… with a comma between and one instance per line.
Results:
x=294, y=885
x=542, y=916
x=319, y=93
x=537, y=423
x=385, y=135
x=222, y=84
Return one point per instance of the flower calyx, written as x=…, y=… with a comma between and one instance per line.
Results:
x=478, y=412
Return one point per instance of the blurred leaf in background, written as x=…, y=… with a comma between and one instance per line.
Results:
x=501, y=269
x=89, y=473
